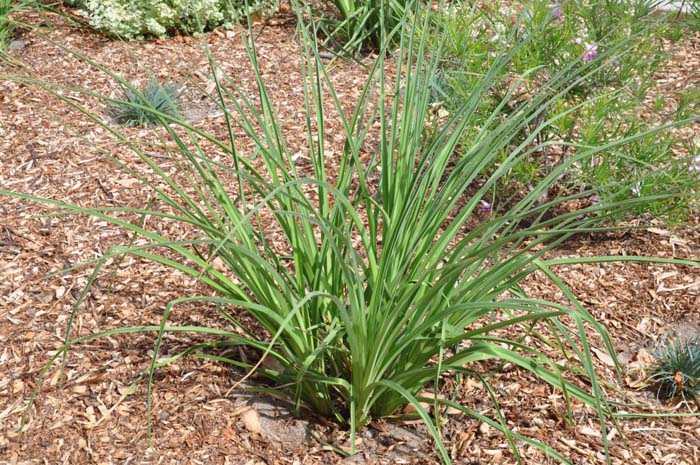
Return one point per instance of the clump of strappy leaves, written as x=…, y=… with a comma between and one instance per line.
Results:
x=677, y=370
x=148, y=105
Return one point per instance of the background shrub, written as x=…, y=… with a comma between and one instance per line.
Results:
x=159, y=18
x=609, y=104
x=358, y=24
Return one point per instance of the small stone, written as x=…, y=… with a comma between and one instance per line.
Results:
x=251, y=420
x=17, y=45
x=60, y=292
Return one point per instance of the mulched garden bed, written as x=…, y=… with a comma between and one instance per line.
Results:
x=196, y=419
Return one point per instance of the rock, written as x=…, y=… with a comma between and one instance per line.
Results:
x=686, y=330
x=405, y=435
x=273, y=420
x=17, y=45
x=681, y=330
x=251, y=420
x=357, y=459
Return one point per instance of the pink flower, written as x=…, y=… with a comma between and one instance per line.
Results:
x=485, y=206
x=591, y=52
x=578, y=41
x=556, y=11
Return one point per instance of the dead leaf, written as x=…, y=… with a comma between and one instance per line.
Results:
x=603, y=357
x=378, y=426
x=588, y=431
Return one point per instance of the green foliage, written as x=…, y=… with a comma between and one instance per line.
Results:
x=6, y=8
x=688, y=103
x=645, y=166
x=361, y=23
x=692, y=19
x=8, y=24
x=159, y=18
x=621, y=37
x=144, y=107
x=371, y=288
x=677, y=372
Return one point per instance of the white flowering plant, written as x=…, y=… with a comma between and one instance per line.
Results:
x=159, y=18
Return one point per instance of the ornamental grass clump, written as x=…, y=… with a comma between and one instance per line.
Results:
x=146, y=107
x=372, y=287
x=677, y=372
